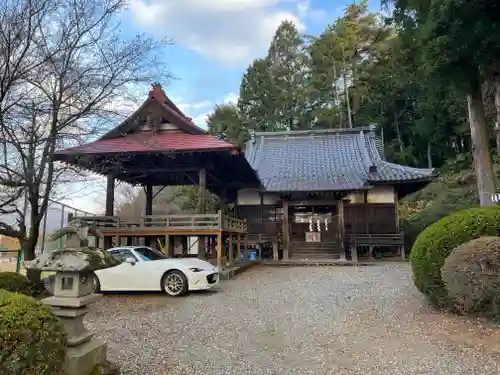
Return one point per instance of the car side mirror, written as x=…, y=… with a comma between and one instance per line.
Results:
x=130, y=260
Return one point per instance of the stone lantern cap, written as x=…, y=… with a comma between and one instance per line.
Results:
x=77, y=257
x=73, y=260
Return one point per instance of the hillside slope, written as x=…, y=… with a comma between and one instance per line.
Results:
x=450, y=192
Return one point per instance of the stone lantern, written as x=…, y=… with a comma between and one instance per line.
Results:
x=73, y=292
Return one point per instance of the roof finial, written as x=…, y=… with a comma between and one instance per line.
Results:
x=156, y=89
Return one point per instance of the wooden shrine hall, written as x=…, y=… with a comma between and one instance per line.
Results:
x=317, y=194
x=159, y=146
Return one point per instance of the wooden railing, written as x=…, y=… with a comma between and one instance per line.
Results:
x=181, y=222
x=396, y=239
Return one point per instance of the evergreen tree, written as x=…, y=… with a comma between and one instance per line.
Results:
x=225, y=123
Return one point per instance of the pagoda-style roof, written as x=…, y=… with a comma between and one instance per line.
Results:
x=327, y=160
x=165, y=140
x=159, y=145
x=157, y=125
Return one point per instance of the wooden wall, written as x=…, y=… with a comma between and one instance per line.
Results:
x=370, y=218
x=358, y=218
x=268, y=221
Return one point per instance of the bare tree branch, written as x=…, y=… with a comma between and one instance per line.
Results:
x=63, y=67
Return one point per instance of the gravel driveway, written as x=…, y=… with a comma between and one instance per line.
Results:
x=302, y=320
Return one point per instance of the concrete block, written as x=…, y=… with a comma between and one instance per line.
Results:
x=81, y=359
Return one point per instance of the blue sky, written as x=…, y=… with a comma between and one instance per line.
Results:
x=214, y=42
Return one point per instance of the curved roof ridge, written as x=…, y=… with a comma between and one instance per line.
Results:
x=365, y=153
x=309, y=132
x=324, y=160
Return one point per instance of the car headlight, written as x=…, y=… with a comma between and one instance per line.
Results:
x=195, y=269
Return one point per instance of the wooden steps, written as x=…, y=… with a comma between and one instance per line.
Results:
x=314, y=250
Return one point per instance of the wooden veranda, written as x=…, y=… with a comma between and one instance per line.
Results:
x=216, y=227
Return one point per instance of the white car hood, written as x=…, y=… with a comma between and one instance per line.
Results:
x=190, y=263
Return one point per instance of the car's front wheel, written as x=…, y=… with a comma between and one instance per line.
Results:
x=175, y=283
x=96, y=285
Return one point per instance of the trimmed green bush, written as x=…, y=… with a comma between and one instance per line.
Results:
x=32, y=340
x=471, y=274
x=437, y=241
x=450, y=193
x=15, y=283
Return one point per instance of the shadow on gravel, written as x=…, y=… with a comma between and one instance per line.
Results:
x=161, y=294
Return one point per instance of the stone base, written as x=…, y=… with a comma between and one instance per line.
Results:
x=81, y=359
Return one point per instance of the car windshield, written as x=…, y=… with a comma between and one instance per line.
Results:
x=147, y=254
x=123, y=254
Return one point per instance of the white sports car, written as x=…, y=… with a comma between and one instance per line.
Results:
x=143, y=268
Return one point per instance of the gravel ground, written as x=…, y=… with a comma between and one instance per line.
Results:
x=302, y=320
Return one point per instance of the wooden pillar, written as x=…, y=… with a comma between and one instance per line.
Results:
x=166, y=248
x=396, y=213
x=238, y=246
x=230, y=248
x=402, y=252
x=185, y=245
x=367, y=227
x=110, y=207
x=148, y=211
x=261, y=194
x=245, y=244
x=149, y=200
x=275, y=251
x=110, y=196
x=286, y=230
x=341, y=228
x=219, y=251
x=202, y=189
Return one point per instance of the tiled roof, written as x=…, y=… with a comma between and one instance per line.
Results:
x=170, y=140
x=325, y=160
x=127, y=137
x=172, y=112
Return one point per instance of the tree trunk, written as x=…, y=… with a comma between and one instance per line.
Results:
x=480, y=151
x=398, y=133
x=496, y=83
x=346, y=90
x=337, y=97
x=28, y=247
x=429, y=155
x=347, y=101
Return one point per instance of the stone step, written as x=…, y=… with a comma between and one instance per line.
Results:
x=302, y=250
x=315, y=256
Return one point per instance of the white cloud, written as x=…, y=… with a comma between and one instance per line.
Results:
x=313, y=15
x=231, y=98
x=231, y=31
x=188, y=108
x=201, y=119
x=199, y=111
